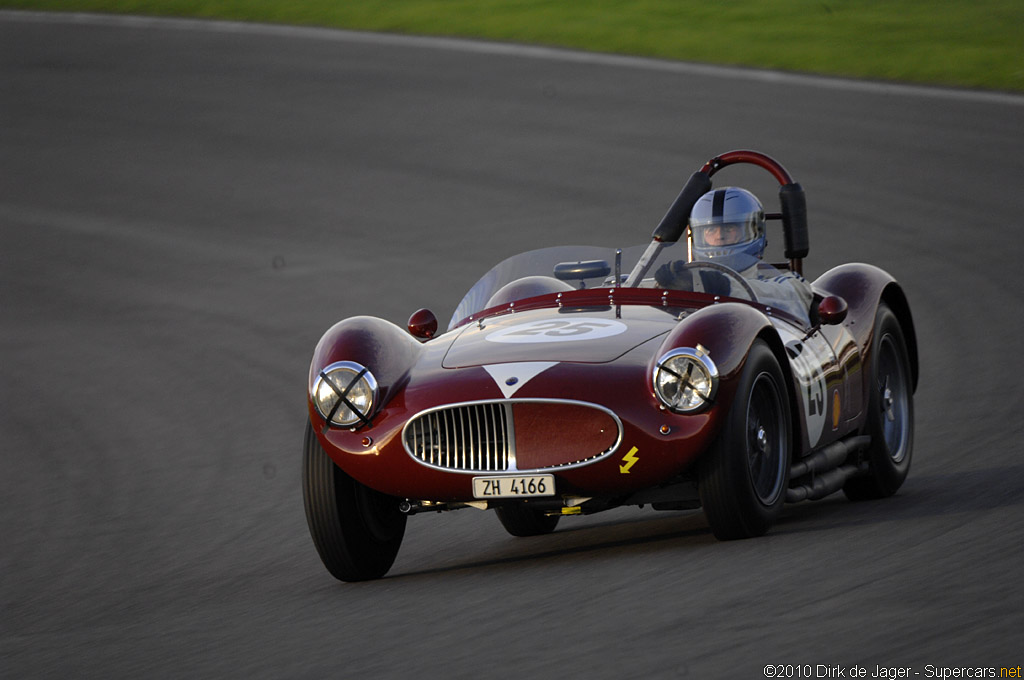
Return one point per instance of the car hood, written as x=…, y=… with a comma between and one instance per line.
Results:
x=584, y=335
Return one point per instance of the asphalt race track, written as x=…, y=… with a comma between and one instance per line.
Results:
x=186, y=207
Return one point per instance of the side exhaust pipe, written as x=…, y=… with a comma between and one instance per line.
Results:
x=827, y=468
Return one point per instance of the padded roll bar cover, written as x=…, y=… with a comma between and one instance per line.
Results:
x=794, y=220
x=673, y=224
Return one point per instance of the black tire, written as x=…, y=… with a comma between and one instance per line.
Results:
x=522, y=520
x=890, y=413
x=742, y=480
x=357, y=531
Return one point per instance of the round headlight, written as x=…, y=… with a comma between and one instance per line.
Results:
x=685, y=380
x=344, y=393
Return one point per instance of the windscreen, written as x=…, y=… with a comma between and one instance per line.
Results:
x=542, y=263
x=773, y=287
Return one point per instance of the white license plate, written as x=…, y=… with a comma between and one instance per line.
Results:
x=524, y=486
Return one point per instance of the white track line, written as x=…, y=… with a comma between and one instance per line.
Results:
x=516, y=50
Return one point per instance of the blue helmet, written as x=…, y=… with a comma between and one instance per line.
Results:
x=727, y=227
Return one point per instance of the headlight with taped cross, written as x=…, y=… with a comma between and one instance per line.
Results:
x=685, y=380
x=345, y=393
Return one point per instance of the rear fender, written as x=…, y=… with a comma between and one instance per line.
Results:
x=864, y=287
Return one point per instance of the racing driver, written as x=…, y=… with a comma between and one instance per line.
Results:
x=728, y=228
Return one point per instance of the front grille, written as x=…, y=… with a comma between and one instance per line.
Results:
x=472, y=437
x=512, y=435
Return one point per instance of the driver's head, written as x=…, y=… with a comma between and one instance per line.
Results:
x=727, y=226
x=723, y=234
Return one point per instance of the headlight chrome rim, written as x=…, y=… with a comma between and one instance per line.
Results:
x=702, y=394
x=333, y=388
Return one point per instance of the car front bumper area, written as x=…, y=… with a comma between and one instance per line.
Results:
x=585, y=448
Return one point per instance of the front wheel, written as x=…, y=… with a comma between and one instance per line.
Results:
x=357, y=531
x=742, y=479
x=890, y=413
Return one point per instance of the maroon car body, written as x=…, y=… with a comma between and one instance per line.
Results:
x=544, y=398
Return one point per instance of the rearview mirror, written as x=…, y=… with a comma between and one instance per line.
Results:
x=423, y=324
x=832, y=310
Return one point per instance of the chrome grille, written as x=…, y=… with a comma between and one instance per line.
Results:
x=470, y=437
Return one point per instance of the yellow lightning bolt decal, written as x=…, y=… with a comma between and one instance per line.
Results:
x=630, y=460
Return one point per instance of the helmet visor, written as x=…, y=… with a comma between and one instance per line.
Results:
x=719, y=233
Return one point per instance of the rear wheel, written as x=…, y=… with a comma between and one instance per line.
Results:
x=743, y=478
x=357, y=531
x=521, y=520
x=890, y=413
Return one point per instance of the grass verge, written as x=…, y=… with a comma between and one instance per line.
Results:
x=966, y=43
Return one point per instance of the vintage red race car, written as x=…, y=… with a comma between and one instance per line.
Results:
x=571, y=381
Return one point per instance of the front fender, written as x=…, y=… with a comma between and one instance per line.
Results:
x=726, y=330
x=381, y=346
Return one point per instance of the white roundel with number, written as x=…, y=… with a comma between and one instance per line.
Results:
x=559, y=330
x=807, y=357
